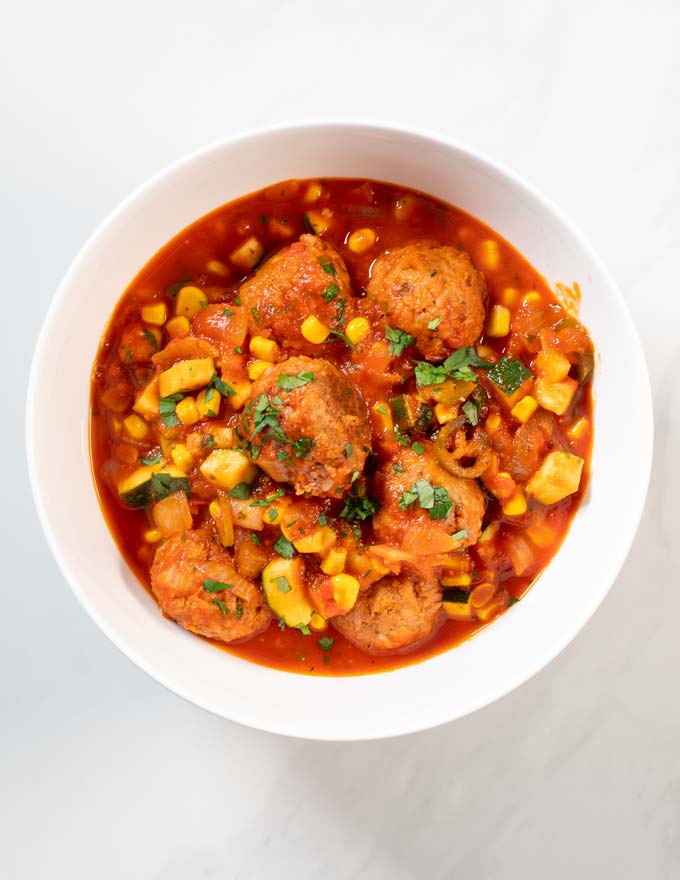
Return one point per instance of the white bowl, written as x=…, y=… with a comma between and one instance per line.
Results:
x=440, y=689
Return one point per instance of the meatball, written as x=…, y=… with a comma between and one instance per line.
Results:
x=315, y=435
x=182, y=567
x=394, y=522
x=420, y=284
x=306, y=278
x=396, y=613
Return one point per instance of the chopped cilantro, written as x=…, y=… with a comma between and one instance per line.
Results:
x=471, y=410
x=272, y=514
x=456, y=366
x=282, y=584
x=175, y=288
x=265, y=415
x=254, y=537
x=399, y=340
x=128, y=354
x=434, y=323
x=221, y=386
x=433, y=498
x=238, y=613
x=237, y=300
x=220, y=604
x=163, y=485
x=167, y=409
x=304, y=629
x=326, y=643
x=513, y=600
x=238, y=350
x=241, y=490
x=255, y=313
x=284, y=547
x=460, y=535
x=211, y=586
x=227, y=312
x=288, y=383
x=349, y=449
x=508, y=374
x=348, y=342
x=330, y=292
x=322, y=518
x=398, y=468
x=150, y=460
x=328, y=266
x=208, y=441
x=265, y=502
x=282, y=624
x=359, y=507
x=151, y=339
x=340, y=317
x=301, y=446
x=418, y=448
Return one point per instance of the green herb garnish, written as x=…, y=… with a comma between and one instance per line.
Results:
x=399, y=340
x=471, y=409
x=163, y=485
x=418, y=448
x=150, y=460
x=434, y=323
x=241, y=490
x=167, y=409
x=255, y=538
x=460, y=535
x=282, y=584
x=328, y=266
x=220, y=604
x=456, y=366
x=433, y=498
x=288, y=383
x=211, y=586
x=348, y=450
x=151, y=339
x=330, y=292
x=359, y=508
x=284, y=547
x=326, y=643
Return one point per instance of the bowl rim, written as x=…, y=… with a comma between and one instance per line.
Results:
x=644, y=411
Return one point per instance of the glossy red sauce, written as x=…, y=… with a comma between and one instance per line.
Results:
x=276, y=217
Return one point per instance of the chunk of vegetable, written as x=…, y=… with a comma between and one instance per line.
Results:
x=186, y=376
x=178, y=327
x=498, y=324
x=172, y=514
x=148, y=483
x=155, y=313
x=361, y=240
x=220, y=511
x=247, y=255
x=187, y=411
x=226, y=468
x=190, y=301
x=282, y=582
x=314, y=331
x=136, y=426
x=264, y=349
x=148, y=402
x=552, y=365
x=558, y=477
x=345, y=590
x=334, y=561
x=404, y=411
x=555, y=396
x=319, y=541
x=525, y=409
x=356, y=329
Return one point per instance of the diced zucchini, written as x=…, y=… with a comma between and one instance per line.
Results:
x=148, y=484
x=226, y=468
x=558, y=476
x=585, y=366
x=404, y=411
x=186, y=376
x=285, y=591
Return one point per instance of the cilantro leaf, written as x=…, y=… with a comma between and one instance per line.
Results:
x=435, y=499
x=167, y=409
x=151, y=339
x=471, y=410
x=288, y=383
x=211, y=586
x=330, y=292
x=284, y=547
x=265, y=502
x=241, y=490
x=460, y=535
x=348, y=450
x=456, y=366
x=301, y=446
x=220, y=604
x=221, y=386
x=328, y=266
x=326, y=643
x=434, y=323
x=282, y=584
x=150, y=460
x=359, y=508
x=163, y=485
x=399, y=340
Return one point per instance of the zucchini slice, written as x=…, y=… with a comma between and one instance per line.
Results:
x=147, y=484
x=285, y=591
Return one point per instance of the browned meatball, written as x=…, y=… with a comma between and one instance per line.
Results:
x=425, y=283
x=182, y=567
x=396, y=613
x=314, y=436
x=306, y=278
x=394, y=523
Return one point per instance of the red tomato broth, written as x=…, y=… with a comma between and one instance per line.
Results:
x=275, y=217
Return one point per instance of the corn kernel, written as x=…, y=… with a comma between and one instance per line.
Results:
x=314, y=331
x=356, y=329
x=178, y=327
x=187, y=411
x=516, y=505
x=532, y=297
x=136, y=426
x=509, y=297
x=242, y=388
x=578, y=429
x=247, y=255
x=525, y=409
x=319, y=541
x=445, y=414
x=152, y=536
x=334, y=561
x=487, y=353
x=183, y=458
x=493, y=422
x=404, y=206
x=457, y=580
x=314, y=192
x=190, y=301
x=256, y=369
x=218, y=268
x=345, y=590
x=155, y=313
x=361, y=240
x=499, y=322
x=208, y=403
x=490, y=254
x=317, y=622
x=264, y=349
x=316, y=222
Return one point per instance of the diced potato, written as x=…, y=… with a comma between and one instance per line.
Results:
x=256, y=369
x=558, y=476
x=319, y=541
x=552, y=365
x=242, y=388
x=148, y=403
x=247, y=255
x=186, y=376
x=525, y=409
x=178, y=327
x=226, y=468
x=190, y=301
x=217, y=268
x=555, y=396
x=283, y=585
x=155, y=313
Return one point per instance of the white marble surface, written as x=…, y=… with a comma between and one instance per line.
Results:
x=577, y=774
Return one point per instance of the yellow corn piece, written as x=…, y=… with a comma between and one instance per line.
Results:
x=187, y=411
x=493, y=422
x=532, y=297
x=578, y=429
x=313, y=192
x=314, y=331
x=152, y=536
x=242, y=388
x=178, y=327
x=356, y=329
x=509, y=297
x=247, y=255
x=445, y=414
x=136, y=426
x=190, y=301
x=217, y=268
x=490, y=254
x=345, y=590
x=525, y=409
x=555, y=396
x=155, y=313
x=334, y=561
x=456, y=580
x=183, y=458
x=319, y=541
x=264, y=349
x=256, y=369
x=403, y=207
x=209, y=402
x=361, y=240
x=516, y=505
x=499, y=322
x=383, y=415
x=487, y=353
x=317, y=622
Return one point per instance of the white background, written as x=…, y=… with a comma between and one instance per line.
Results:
x=577, y=774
